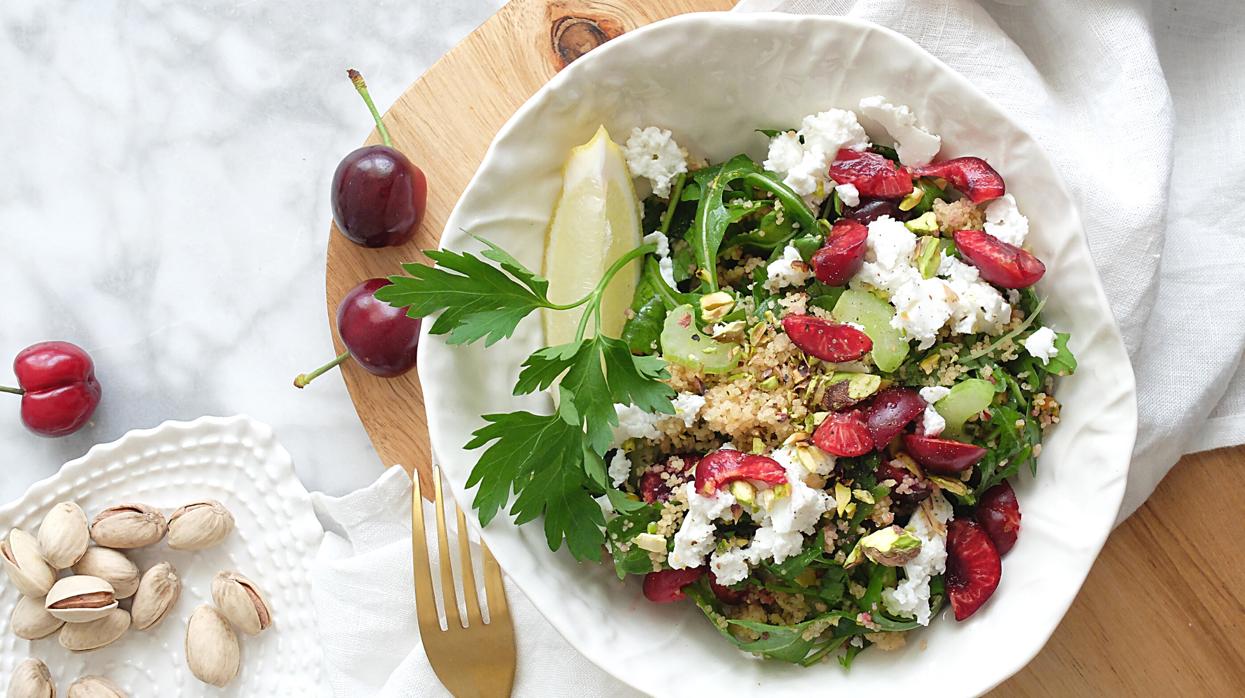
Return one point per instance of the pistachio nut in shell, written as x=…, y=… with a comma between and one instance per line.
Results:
x=84, y=637
x=112, y=566
x=64, y=535
x=80, y=599
x=211, y=647
x=199, y=525
x=242, y=602
x=95, y=687
x=128, y=526
x=31, y=679
x=157, y=594
x=31, y=621
x=24, y=563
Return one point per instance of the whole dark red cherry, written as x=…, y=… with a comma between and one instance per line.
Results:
x=382, y=338
x=379, y=196
x=58, y=387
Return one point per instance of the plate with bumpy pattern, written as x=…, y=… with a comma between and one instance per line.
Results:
x=237, y=461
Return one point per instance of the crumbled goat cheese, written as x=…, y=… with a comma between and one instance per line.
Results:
x=803, y=157
x=1005, y=221
x=781, y=528
x=634, y=423
x=932, y=423
x=665, y=266
x=731, y=564
x=652, y=154
x=924, y=306
x=910, y=598
x=915, y=145
x=620, y=468
x=1041, y=345
x=694, y=539
x=848, y=194
x=687, y=407
x=788, y=270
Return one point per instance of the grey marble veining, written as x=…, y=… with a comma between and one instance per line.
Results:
x=164, y=177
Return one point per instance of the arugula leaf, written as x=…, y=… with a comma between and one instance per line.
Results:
x=1063, y=363
x=713, y=217
x=476, y=299
x=621, y=532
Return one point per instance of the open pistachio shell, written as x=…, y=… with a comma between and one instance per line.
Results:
x=64, y=535
x=199, y=525
x=212, y=647
x=113, y=567
x=24, y=563
x=80, y=599
x=242, y=602
x=31, y=621
x=157, y=594
x=127, y=526
x=31, y=679
x=95, y=687
x=84, y=637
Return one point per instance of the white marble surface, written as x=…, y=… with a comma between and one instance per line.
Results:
x=164, y=204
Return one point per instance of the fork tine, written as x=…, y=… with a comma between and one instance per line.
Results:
x=498, y=611
x=452, y=617
x=425, y=599
x=469, y=577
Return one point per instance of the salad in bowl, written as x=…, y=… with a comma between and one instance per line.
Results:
x=790, y=391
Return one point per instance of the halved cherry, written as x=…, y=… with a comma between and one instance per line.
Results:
x=844, y=434
x=726, y=594
x=942, y=456
x=828, y=341
x=843, y=255
x=890, y=411
x=872, y=174
x=973, y=567
x=998, y=512
x=661, y=479
x=973, y=177
x=1001, y=263
x=726, y=465
x=666, y=586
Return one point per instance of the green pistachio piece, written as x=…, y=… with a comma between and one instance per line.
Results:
x=891, y=546
x=924, y=224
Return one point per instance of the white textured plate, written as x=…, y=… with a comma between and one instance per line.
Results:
x=235, y=460
x=712, y=79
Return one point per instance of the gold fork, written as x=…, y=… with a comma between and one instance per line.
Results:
x=473, y=661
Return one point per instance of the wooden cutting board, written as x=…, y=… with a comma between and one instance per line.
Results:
x=1163, y=611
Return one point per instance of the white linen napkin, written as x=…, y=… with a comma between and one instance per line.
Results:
x=365, y=599
x=1139, y=105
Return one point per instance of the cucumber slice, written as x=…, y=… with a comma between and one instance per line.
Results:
x=967, y=398
x=873, y=314
x=683, y=343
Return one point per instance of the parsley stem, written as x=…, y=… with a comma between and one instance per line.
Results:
x=594, y=298
x=361, y=88
x=675, y=195
x=15, y=391
x=304, y=378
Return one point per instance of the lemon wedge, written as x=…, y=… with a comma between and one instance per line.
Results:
x=597, y=220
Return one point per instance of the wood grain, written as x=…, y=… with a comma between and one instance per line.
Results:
x=1163, y=611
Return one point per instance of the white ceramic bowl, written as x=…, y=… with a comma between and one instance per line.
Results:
x=712, y=79
x=237, y=461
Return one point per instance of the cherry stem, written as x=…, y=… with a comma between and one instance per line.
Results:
x=15, y=391
x=305, y=378
x=361, y=88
